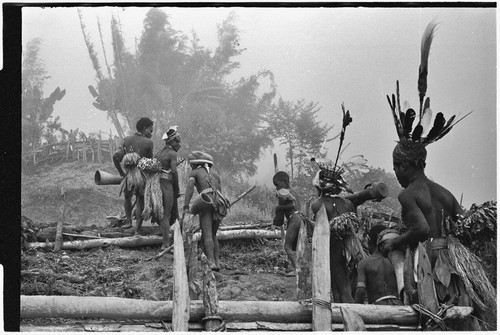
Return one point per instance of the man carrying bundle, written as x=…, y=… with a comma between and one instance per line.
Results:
x=427, y=207
x=169, y=182
x=345, y=246
x=131, y=150
x=210, y=204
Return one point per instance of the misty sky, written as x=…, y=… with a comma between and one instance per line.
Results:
x=324, y=55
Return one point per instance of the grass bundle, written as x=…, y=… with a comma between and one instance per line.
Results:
x=470, y=270
x=153, y=197
x=134, y=180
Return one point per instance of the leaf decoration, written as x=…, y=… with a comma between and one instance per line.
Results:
x=442, y=271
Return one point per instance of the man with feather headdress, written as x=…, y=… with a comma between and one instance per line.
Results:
x=130, y=151
x=426, y=206
x=345, y=246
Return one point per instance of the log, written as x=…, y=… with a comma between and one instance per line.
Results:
x=232, y=311
x=193, y=326
x=426, y=290
x=304, y=253
x=247, y=226
x=321, y=289
x=180, y=312
x=70, y=278
x=81, y=236
x=137, y=241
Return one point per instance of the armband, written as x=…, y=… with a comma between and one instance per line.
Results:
x=361, y=285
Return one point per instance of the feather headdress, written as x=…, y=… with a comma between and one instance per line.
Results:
x=422, y=133
x=330, y=174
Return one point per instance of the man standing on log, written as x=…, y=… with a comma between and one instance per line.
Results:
x=210, y=204
x=131, y=150
x=289, y=208
x=169, y=182
x=429, y=210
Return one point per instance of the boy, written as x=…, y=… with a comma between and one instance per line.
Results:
x=376, y=277
x=289, y=207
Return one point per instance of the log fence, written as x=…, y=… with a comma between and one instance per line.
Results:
x=185, y=312
x=94, y=150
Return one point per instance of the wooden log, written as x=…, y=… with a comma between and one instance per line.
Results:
x=247, y=226
x=136, y=241
x=232, y=311
x=68, y=277
x=321, y=290
x=426, y=290
x=193, y=326
x=81, y=236
x=304, y=254
x=180, y=312
x=212, y=319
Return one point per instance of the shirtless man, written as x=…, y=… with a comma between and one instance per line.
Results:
x=141, y=144
x=289, y=208
x=329, y=185
x=210, y=204
x=169, y=182
x=376, y=277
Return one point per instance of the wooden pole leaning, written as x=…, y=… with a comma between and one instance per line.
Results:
x=181, y=300
x=321, y=289
x=212, y=320
x=303, y=270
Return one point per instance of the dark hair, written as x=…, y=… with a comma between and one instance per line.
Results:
x=281, y=176
x=374, y=231
x=143, y=123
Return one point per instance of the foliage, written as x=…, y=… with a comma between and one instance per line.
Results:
x=38, y=126
x=174, y=80
x=294, y=125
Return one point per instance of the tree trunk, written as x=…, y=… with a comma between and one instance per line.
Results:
x=212, y=320
x=157, y=327
x=232, y=311
x=321, y=289
x=136, y=241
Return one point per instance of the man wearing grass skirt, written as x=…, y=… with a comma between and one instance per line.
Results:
x=169, y=182
x=210, y=204
x=130, y=151
x=426, y=206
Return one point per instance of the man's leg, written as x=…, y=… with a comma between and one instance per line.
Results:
x=168, y=200
x=338, y=271
x=292, y=233
x=215, y=228
x=138, y=213
x=206, y=235
x=127, y=205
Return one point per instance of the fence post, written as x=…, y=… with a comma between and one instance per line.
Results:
x=110, y=146
x=84, y=152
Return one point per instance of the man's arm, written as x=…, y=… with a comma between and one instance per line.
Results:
x=117, y=159
x=360, y=296
x=189, y=191
x=414, y=218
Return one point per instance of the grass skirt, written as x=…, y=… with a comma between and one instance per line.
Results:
x=153, y=197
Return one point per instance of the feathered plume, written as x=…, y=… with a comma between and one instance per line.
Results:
x=425, y=48
x=346, y=120
x=404, y=121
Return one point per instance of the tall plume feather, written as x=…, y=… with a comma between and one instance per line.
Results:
x=436, y=129
x=346, y=120
x=408, y=124
x=424, y=58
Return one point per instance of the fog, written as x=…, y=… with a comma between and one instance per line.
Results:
x=326, y=55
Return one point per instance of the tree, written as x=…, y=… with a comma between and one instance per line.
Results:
x=175, y=81
x=38, y=126
x=296, y=127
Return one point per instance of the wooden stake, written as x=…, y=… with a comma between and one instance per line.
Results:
x=426, y=290
x=321, y=291
x=304, y=254
x=181, y=301
x=210, y=298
